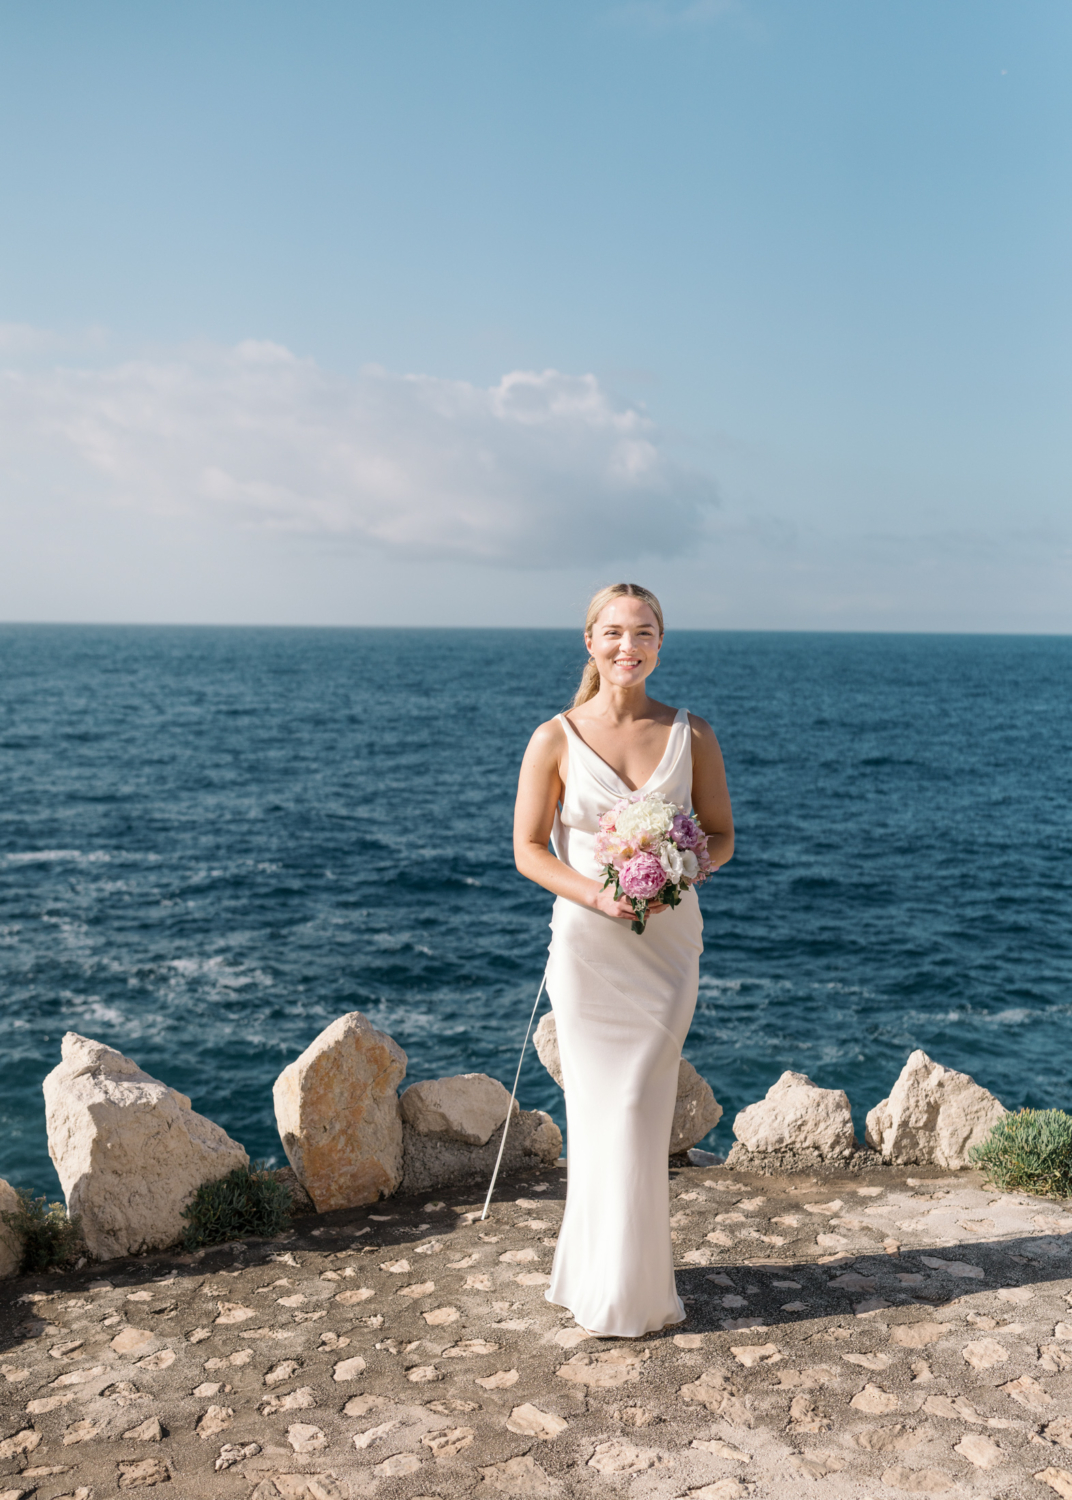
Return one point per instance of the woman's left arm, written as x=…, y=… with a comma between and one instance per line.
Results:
x=710, y=795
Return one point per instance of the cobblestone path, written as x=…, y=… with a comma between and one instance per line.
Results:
x=848, y=1335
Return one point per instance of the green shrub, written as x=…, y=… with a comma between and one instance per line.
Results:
x=49, y=1238
x=1029, y=1152
x=248, y=1201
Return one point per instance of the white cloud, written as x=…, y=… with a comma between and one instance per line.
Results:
x=537, y=468
x=20, y=339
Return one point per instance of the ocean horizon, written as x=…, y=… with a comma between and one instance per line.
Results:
x=216, y=839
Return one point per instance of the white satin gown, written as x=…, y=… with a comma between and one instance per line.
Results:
x=623, y=1003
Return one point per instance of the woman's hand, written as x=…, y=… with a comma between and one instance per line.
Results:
x=621, y=906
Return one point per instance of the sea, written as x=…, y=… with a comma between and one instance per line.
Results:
x=215, y=841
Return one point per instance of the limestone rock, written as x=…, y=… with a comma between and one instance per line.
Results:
x=695, y=1113
x=516, y=1476
x=933, y=1116
x=10, y=1243
x=545, y=1040
x=464, y=1108
x=797, y=1113
x=129, y=1151
x=437, y=1161
x=337, y=1111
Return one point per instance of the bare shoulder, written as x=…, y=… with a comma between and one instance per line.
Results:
x=704, y=738
x=546, y=742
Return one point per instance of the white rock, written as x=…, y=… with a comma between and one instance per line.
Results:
x=798, y=1115
x=464, y=1108
x=516, y=1476
x=129, y=1151
x=618, y=1457
x=545, y=1040
x=532, y=1421
x=304, y=1438
x=696, y=1110
x=933, y=1116
x=337, y=1111
x=10, y=1243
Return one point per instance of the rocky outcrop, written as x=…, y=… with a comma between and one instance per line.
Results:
x=130, y=1152
x=934, y=1116
x=464, y=1108
x=797, y=1114
x=436, y=1160
x=336, y=1107
x=696, y=1111
x=10, y=1243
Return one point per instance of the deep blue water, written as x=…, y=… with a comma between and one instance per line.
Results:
x=214, y=841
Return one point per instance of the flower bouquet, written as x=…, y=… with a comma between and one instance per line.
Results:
x=651, y=850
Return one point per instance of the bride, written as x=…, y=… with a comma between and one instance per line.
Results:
x=623, y=1002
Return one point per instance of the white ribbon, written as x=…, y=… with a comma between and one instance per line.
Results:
x=509, y=1112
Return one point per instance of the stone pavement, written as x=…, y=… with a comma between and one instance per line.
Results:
x=849, y=1334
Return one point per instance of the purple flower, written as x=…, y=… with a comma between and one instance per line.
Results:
x=642, y=876
x=686, y=833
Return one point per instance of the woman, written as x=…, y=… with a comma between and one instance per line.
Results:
x=623, y=1002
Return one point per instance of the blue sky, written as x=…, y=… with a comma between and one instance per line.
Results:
x=449, y=312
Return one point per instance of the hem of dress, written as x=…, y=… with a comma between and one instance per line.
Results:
x=600, y=1334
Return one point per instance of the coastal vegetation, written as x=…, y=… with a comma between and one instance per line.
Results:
x=247, y=1202
x=49, y=1238
x=1029, y=1152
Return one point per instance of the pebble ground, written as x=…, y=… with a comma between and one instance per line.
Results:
x=861, y=1335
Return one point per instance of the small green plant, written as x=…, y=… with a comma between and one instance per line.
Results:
x=1030, y=1152
x=49, y=1238
x=248, y=1201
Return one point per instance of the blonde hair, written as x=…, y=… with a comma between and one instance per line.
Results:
x=588, y=686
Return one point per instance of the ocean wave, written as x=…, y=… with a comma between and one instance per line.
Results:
x=53, y=856
x=220, y=972
x=93, y=1010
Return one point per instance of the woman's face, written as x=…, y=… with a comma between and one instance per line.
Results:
x=625, y=642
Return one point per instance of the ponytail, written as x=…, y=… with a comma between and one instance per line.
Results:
x=588, y=686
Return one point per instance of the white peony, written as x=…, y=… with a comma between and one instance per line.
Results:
x=649, y=819
x=689, y=864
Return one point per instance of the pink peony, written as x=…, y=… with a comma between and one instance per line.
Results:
x=642, y=876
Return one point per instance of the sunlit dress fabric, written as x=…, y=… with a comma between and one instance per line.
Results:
x=623, y=1003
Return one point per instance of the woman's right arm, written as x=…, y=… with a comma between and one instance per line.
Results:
x=540, y=787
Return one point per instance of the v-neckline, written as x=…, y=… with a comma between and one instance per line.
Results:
x=630, y=791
